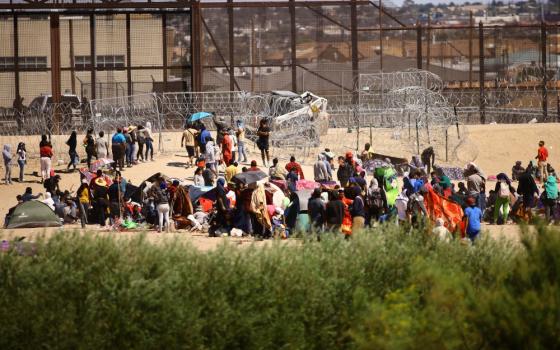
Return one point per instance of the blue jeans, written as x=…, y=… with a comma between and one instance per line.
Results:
x=128, y=154
x=149, y=149
x=481, y=201
x=241, y=151
x=472, y=234
x=21, y=164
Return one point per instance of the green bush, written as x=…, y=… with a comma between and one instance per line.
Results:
x=382, y=289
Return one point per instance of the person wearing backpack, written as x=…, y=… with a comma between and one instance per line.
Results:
x=504, y=191
x=550, y=196
x=376, y=201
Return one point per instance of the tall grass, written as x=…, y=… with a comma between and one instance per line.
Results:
x=382, y=289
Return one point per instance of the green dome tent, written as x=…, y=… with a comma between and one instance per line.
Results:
x=33, y=214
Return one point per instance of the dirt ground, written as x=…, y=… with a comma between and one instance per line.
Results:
x=499, y=146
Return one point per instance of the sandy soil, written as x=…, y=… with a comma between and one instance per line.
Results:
x=499, y=147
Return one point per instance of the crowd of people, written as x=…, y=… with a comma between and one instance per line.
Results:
x=347, y=193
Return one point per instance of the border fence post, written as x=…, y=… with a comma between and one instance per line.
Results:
x=481, y=73
x=544, y=77
x=418, y=45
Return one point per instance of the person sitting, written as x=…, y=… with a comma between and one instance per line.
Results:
x=209, y=175
x=517, y=170
x=441, y=231
x=48, y=200
x=276, y=172
x=295, y=165
x=254, y=166
x=231, y=171
x=198, y=178
x=19, y=199
x=28, y=195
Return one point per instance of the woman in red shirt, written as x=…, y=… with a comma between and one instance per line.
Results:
x=542, y=157
x=46, y=153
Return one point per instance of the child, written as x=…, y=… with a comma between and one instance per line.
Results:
x=474, y=217
x=22, y=159
x=441, y=231
x=7, y=155
x=198, y=178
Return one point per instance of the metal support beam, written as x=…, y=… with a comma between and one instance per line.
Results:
x=354, y=40
x=219, y=52
x=481, y=74
x=128, y=57
x=92, y=57
x=196, y=48
x=164, y=44
x=418, y=46
x=231, y=49
x=471, y=36
x=16, y=56
x=544, y=78
x=293, y=45
x=380, y=11
x=55, y=67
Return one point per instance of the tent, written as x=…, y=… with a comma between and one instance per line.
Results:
x=33, y=214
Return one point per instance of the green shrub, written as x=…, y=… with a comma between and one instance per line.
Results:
x=382, y=289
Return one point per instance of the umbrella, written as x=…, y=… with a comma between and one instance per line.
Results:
x=100, y=163
x=200, y=115
x=250, y=177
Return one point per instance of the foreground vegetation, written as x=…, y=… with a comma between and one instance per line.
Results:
x=383, y=289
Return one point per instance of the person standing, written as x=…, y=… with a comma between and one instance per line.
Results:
x=263, y=133
x=227, y=148
x=72, y=143
x=22, y=159
x=134, y=145
x=320, y=170
x=529, y=190
x=7, y=155
x=334, y=212
x=210, y=155
x=188, y=140
x=149, y=141
x=141, y=139
x=542, y=157
x=101, y=200
x=316, y=210
x=231, y=171
x=367, y=153
x=118, y=142
x=89, y=142
x=428, y=157
x=101, y=146
x=204, y=136
x=293, y=165
x=358, y=211
x=128, y=147
x=473, y=214
x=476, y=185
x=550, y=196
x=46, y=154
x=503, y=190
x=161, y=200
x=241, y=142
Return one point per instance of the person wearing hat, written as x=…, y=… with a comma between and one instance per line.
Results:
x=473, y=214
x=188, y=140
x=134, y=145
x=100, y=200
x=516, y=171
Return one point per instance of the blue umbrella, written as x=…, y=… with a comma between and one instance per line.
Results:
x=200, y=115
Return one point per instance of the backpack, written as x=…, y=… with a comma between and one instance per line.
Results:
x=376, y=199
x=504, y=190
